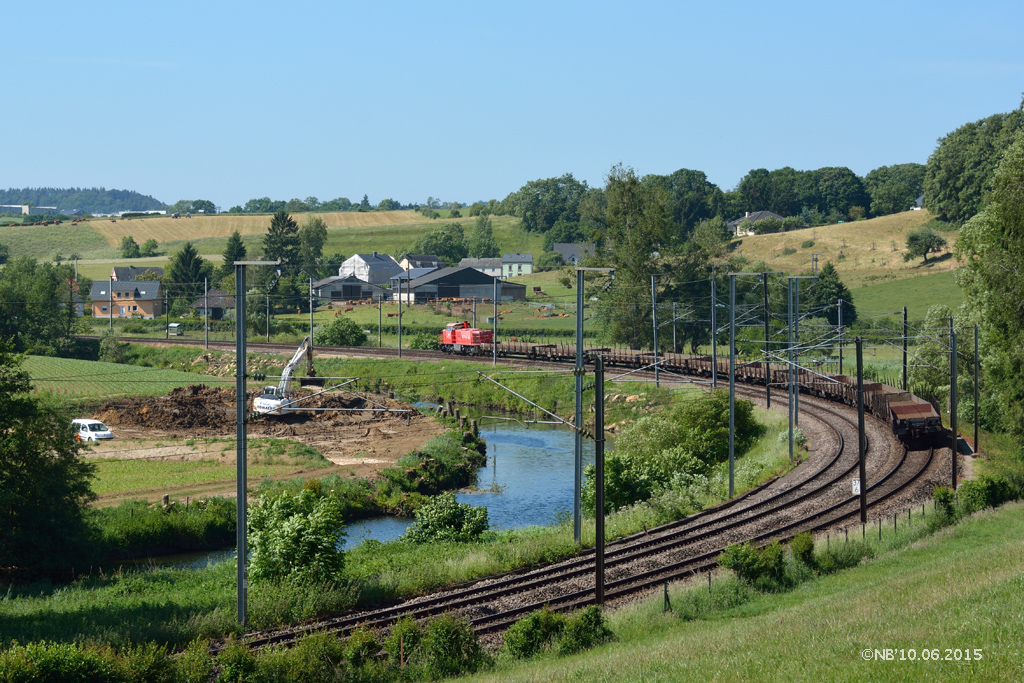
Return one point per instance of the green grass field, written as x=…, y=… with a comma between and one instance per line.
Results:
x=917, y=294
x=962, y=588
x=94, y=379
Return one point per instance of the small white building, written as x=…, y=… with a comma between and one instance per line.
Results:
x=373, y=268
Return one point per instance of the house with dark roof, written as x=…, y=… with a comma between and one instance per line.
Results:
x=348, y=288
x=373, y=268
x=140, y=298
x=411, y=261
x=573, y=253
x=216, y=304
x=458, y=283
x=129, y=273
x=487, y=266
x=407, y=276
x=516, y=264
x=751, y=217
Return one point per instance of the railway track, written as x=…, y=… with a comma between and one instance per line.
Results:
x=779, y=509
x=642, y=562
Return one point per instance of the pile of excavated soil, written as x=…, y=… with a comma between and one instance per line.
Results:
x=348, y=429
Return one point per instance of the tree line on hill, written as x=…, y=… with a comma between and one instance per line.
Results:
x=312, y=205
x=87, y=200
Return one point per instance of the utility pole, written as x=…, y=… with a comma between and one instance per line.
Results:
x=732, y=377
x=861, y=437
x=474, y=311
x=599, y=478
x=789, y=388
x=840, y=304
x=206, y=310
x=767, y=348
x=578, y=416
x=310, y=315
x=494, y=328
x=904, y=348
x=380, y=321
x=977, y=374
x=167, y=318
x=796, y=336
x=675, y=346
x=268, y=316
x=714, y=330
x=399, y=317
x=654, y=325
x=953, y=397
x=241, y=475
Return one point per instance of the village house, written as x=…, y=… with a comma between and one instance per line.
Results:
x=140, y=298
x=373, y=268
x=487, y=266
x=516, y=264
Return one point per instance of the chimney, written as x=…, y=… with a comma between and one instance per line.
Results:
x=374, y=254
x=747, y=216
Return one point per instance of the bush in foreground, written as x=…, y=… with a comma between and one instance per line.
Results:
x=444, y=519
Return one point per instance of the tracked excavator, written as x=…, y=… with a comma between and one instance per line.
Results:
x=280, y=400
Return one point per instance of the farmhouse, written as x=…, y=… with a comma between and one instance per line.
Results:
x=373, y=268
x=216, y=304
x=125, y=299
x=516, y=264
x=348, y=288
x=573, y=253
x=487, y=266
x=750, y=218
x=411, y=261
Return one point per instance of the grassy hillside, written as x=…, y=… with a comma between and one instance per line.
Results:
x=917, y=294
x=872, y=250
x=348, y=233
x=962, y=588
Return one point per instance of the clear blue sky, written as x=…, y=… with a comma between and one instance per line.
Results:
x=463, y=101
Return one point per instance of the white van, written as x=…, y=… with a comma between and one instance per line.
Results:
x=91, y=430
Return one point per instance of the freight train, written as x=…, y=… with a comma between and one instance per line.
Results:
x=913, y=419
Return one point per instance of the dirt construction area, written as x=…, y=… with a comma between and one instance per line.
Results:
x=362, y=433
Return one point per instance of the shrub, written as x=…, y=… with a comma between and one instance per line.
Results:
x=135, y=326
x=533, y=633
x=450, y=648
x=807, y=244
x=195, y=665
x=296, y=535
x=802, y=546
x=236, y=662
x=983, y=492
x=112, y=349
x=445, y=519
x=341, y=331
x=945, y=502
x=842, y=555
x=361, y=647
x=762, y=568
x=583, y=630
x=425, y=341
x=788, y=251
x=404, y=640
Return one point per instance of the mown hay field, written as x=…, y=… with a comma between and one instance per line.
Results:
x=872, y=250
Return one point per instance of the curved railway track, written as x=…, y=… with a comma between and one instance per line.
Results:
x=778, y=509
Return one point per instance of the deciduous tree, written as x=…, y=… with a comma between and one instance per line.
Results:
x=921, y=241
x=44, y=485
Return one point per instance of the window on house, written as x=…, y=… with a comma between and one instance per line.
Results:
x=103, y=308
x=135, y=308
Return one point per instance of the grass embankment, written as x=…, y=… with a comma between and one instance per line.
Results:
x=918, y=294
x=139, y=476
x=959, y=589
x=174, y=606
x=84, y=379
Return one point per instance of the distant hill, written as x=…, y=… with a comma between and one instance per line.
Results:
x=88, y=200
